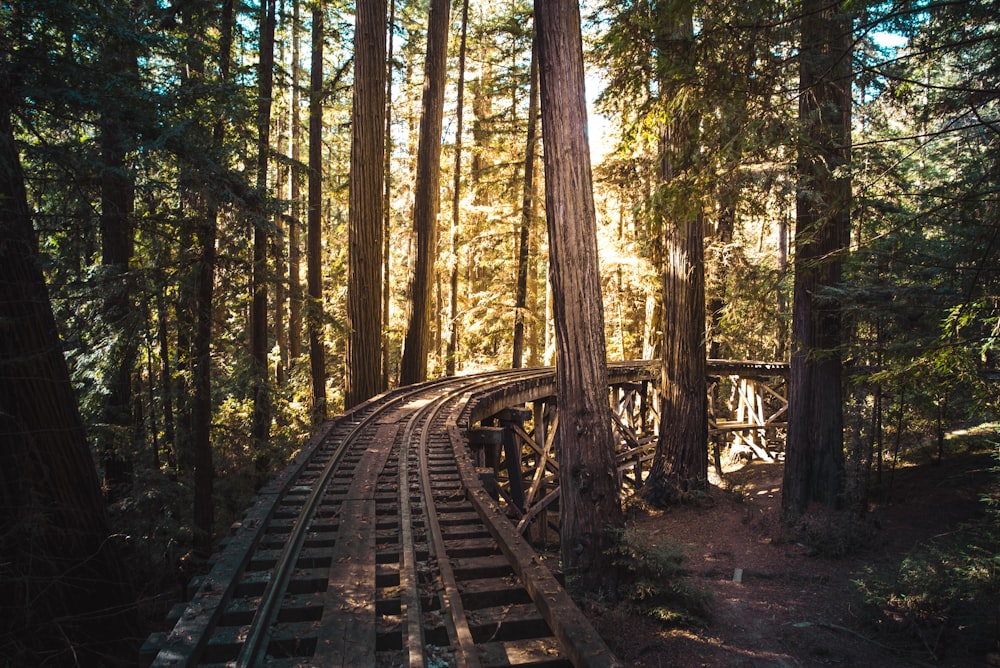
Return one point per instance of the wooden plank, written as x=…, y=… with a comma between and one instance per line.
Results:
x=348, y=624
x=507, y=622
x=532, y=652
x=492, y=592
x=489, y=566
x=566, y=620
x=471, y=547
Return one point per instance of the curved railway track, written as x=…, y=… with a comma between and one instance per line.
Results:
x=378, y=546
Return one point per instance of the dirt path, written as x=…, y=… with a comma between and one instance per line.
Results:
x=775, y=602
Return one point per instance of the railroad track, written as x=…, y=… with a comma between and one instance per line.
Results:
x=379, y=546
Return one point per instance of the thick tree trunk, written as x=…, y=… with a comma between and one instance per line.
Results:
x=204, y=297
x=314, y=242
x=814, y=460
x=201, y=381
x=451, y=356
x=387, y=200
x=527, y=213
x=166, y=376
x=294, y=194
x=589, y=503
x=427, y=196
x=261, y=385
x=63, y=590
x=364, y=283
x=117, y=248
x=680, y=464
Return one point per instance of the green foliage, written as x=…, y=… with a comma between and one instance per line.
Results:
x=653, y=579
x=729, y=78
x=944, y=596
x=154, y=525
x=833, y=533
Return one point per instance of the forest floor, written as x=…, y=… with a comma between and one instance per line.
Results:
x=790, y=604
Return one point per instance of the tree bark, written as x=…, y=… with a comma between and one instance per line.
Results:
x=295, y=209
x=364, y=284
x=814, y=459
x=261, y=385
x=527, y=213
x=314, y=242
x=201, y=381
x=427, y=196
x=204, y=298
x=166, y=376
x=727, y=196
x=680, y=464
x=589, y=503
x=387, y=199
x=63, y=589
x=277, y=247
x=451, y=356
x=117, y=249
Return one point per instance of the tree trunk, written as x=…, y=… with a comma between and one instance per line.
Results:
x=261, y=420
x=527, y=213
x=278, y=238
x=204, y=298
x=451, y=355
x=295, y=209
x=680, y=464
x=781, y=303
x=314, y=242
x=166, y=376
x=589, y=504
x=364, y=283
x=387, y=200
x=727, y=196
x=63, y=588
x=427, y=196
x=814, y=459
x=201, y=381
x=117, y=248
x=536, y=324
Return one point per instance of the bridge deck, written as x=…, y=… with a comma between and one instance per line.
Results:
x=389, y=541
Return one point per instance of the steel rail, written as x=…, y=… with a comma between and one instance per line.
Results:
x=255, y=645
x=452, y=596
x=458, y=626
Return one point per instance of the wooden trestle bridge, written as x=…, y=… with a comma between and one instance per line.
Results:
x=402, y=534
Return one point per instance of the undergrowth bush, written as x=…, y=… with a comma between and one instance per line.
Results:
x=833, y=533
x=945, y=594
x=654, y=580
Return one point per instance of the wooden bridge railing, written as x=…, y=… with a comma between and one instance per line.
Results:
x=512, y=430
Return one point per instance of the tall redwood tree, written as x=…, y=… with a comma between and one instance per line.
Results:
x=589, y=504
x=527, y=212
x=314, y=223
x=427, y=196
x=261, y=421
x=63, y=588
x=364, y=282
x=680, y=464
x=814, y=459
